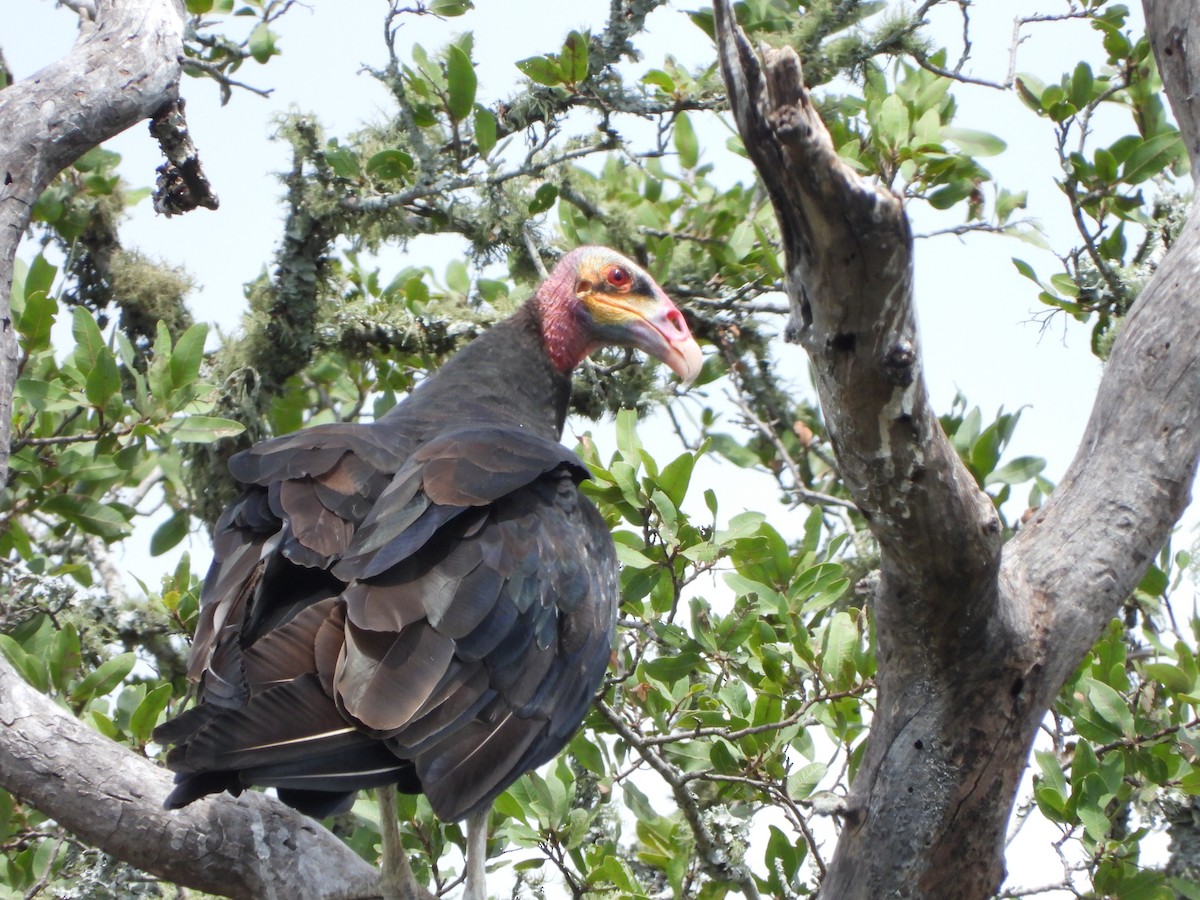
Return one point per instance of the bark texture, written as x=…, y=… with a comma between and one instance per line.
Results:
x=123, y=70
x=974, y=639
x=253, y=847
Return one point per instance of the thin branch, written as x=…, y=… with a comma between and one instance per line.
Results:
x=794, y=719
x=929, y=66
x=227, y=84
x=445, y=186
x=712, y=855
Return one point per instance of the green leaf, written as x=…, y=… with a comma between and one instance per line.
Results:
x=743, y=525
x=1154, y=582
x=104, y=678
x=458, y=279
x=170, y=533
x=1151, y=157
x=187, y=356
x=955, y=192
x=1019, y=470
x=675, y=477
x=145, y=716
x=204, y=429
x=617, y=872
x=94, y=359
x=975, y=143
x=342, y=160
x=461, y=83
x=30, y=667
x=485, y=131
x=892, y=124
x=573, y=61
x=686, y=143
x=65, y=656
x=804, y=781
x=543, y=199
x=734, y=450
x=1052, y=773
x=390, y=165
x=1089, y=807
x=262, y=43
x=589, y=754
x=660, y=79
x=631, y=556
x=40, y=277
x=541, y=69
x=450, y=8
x=36, y=319
x=1184, y=888
x=627, y=438
x=90, y=516
x=1008, y=203
x=839, y=642
x=1111, y=707
x=1082, y=83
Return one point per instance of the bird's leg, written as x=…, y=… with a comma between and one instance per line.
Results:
x=477, y=835
x=397, y=881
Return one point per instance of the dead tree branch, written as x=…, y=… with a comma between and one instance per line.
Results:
x=971, y=652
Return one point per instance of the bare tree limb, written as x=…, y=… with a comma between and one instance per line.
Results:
x=971, y=652
x=108, y=796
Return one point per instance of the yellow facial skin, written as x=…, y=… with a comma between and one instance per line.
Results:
x=627, y=307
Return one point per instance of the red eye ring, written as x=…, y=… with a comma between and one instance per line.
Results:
x=619, y=277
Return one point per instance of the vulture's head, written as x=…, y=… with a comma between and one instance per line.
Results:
x=595, y=297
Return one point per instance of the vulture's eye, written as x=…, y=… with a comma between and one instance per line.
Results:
x=619, y=277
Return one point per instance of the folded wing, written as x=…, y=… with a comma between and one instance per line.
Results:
x=437, y=617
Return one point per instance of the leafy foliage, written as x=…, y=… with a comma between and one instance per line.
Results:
x=741, y=691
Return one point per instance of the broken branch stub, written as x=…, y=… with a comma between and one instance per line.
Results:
x=848, y=247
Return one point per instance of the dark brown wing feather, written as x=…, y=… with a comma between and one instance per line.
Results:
x=436, y=615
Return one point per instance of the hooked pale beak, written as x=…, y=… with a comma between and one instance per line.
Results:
x=664, y=334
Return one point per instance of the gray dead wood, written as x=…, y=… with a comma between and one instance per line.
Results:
x=253, y=847
x=974, y=639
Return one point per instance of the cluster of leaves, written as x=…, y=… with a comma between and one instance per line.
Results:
x=218, y=56
x=105, y=418
x=1122, y=231
x=903, y=130
x=1120, y=743
x=981, y=448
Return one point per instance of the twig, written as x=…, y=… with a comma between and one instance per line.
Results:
x=445, y=186
x=227, y=84
x=794, y=719
x=535, y=255
x=712, y=856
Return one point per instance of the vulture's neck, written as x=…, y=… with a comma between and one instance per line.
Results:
x=505, y=375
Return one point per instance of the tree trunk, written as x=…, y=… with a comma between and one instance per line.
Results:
x=123, y=70
x=974, y=639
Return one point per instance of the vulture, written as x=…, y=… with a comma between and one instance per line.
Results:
x=426, y=600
